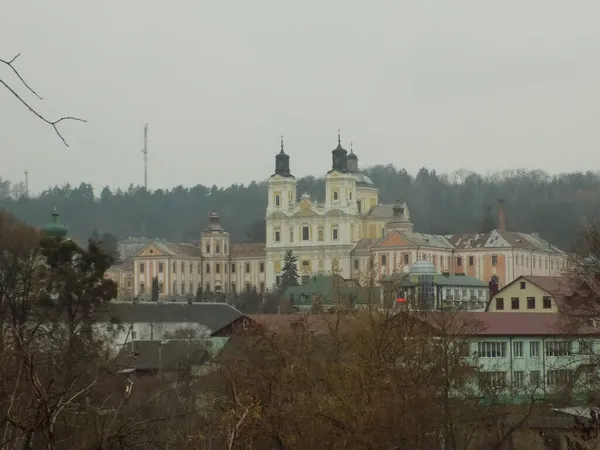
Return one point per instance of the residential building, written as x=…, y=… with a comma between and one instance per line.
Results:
x=534, y=294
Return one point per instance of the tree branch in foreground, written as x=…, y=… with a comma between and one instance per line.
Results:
x=53, y=123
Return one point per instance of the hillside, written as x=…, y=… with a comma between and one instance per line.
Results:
x=535, y=202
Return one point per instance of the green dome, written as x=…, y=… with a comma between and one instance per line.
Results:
x=55, y=228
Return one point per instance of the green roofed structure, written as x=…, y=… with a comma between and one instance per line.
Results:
x=54, y=228
x=332, y=290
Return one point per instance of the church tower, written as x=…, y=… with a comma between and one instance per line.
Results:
x=340, y=182
x=282, y=184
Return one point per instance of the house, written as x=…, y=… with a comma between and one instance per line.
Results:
x=124, y=322
x=531, y=293
x=329, y=290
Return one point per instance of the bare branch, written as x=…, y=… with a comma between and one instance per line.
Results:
x=52, y=123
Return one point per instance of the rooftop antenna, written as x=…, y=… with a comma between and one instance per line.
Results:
x=145, y=152
x=26, y=183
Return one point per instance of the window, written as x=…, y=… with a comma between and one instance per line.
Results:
x=518, y=349
x=459, y=261
x=359, y=206
x=492, y=380
x=494, y=260
x=207, y=267
x=142, y=288
x=261, y=267
x=305, y=264
x=218, y=249
x=232, y=268
x=558, y=377
x=182, y=267
x=547, y=302
x=174, y=267
x=233, y=288
x=406, y=257
x=217, y=268
x=350, y=196
x=517, y=378
x=291, y=236
x=207, y=287
x=320, y=234
x=534, y=349
x=499, y=304
x=545, y=263
x=335, y=195
x=334, y=234
x=534, y=377
x=129, y=283
x=305, y=232
x=174, y=287
x=247, y=267
x=161, y=288
x=530, y=302
x=585, y=347
x=248, y=286
x=277, y=236
x=558, y=348
x=191, y=288
x=514, y=303
x=523, y=285
x=277, y=200
x=191, y=267
x=471, y=260
x=356, y=264
x=383, y=260
x=141, y=267
x=533, y=262
x=161, y=267
x=277, y=280
x=491, y=349
x=305, y=279
x=183, y=287
x=262, y=287
x=225, y=249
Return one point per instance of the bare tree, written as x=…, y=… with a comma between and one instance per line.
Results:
x=10, y=63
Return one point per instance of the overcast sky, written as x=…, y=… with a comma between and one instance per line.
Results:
x=464, y=84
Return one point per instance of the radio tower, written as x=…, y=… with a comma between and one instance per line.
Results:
x=26, y=183
x=145, y=152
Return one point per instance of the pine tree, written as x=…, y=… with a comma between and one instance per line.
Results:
x=199, y=294
x=154, y=294
x=289, y=275
x=488, y=224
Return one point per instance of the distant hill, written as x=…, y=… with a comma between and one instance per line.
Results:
x=535, y=202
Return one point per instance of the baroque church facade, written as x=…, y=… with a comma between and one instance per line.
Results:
x=349, y=232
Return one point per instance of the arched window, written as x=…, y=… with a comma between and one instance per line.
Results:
x=335, y=195
x=277, y=200
x=359, y=205
x=350, y=196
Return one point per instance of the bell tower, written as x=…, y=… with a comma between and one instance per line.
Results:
x=282, y=184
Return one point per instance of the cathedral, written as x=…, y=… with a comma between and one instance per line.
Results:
x=322, y=234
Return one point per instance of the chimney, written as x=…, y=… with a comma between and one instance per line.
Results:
x=501, y=218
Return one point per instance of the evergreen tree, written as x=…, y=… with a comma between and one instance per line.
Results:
x=488, y=224
x=199, y=294
x=289, y=275
x=154, y=293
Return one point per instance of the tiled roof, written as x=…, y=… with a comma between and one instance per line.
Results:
x=175, y=354
x=427, y=240
x=215, y=316
x=328, y=287
x=126, y=265
x=556, y=286
x=381, y=211
x=364, y=245
x=500, y=239
x=517, y=324
x=248, y=250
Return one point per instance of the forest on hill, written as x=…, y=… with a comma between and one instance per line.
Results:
x=554, y=206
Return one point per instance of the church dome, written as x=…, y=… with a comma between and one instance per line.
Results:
x=54, y=228
x=362, y=179
x=423, y=268
x=352, y=156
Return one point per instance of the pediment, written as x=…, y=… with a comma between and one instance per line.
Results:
x=277, y=215
x=150, y=250
x=335, y=212
x=394, y=239
x=305, y=213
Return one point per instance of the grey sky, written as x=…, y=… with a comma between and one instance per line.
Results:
x=481, y=85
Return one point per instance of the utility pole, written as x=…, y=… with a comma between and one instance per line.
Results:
x=26, y=183
x=145, y=152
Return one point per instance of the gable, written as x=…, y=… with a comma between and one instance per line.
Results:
x=150, y=250
x=305, y=213
x=394, y=239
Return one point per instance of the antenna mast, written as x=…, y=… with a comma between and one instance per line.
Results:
x=26, y=183
x=145, y=152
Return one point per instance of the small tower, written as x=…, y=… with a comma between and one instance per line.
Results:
x=282, y=184
x=339, y=157
x=352, y=161
x=215, y=240
x=400, y=220
x=55, y=229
